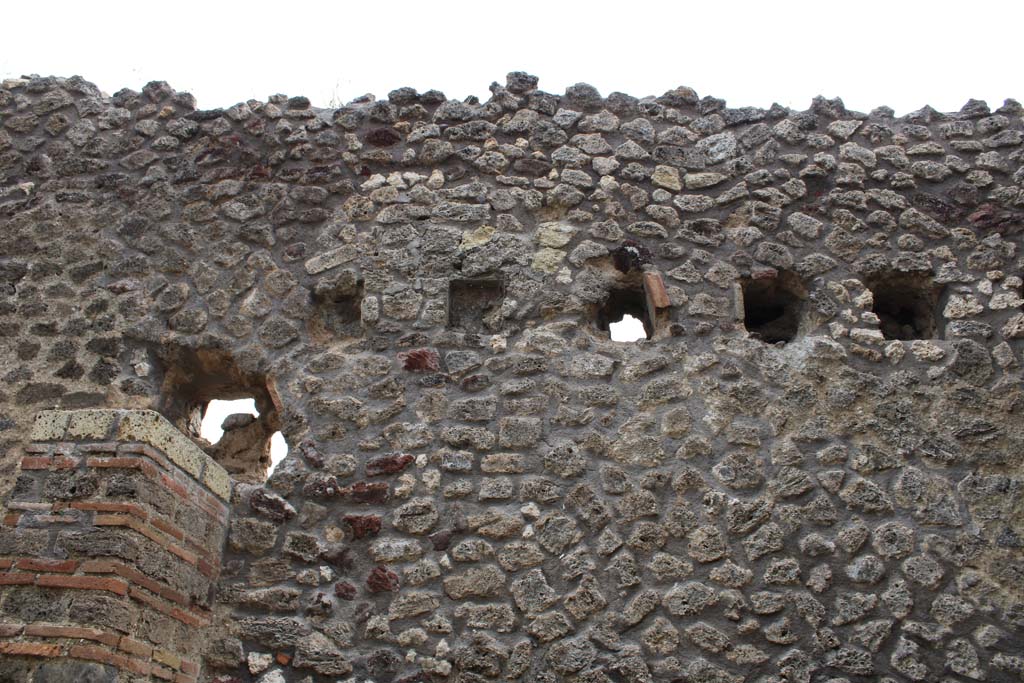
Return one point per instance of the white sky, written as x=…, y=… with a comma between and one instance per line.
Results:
x=900, y=53
x=629, y=329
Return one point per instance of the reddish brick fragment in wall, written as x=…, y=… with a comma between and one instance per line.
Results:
x=10, y=630
x=43, y=565
x=388, y=464
x=345, y=590
x=382, y=580
x=370, y=493
x=363, y=525
x=655, y=289
x=17, y=579
x=420, y=360
x=77, y=632
x=84, y=583
x=30, y=649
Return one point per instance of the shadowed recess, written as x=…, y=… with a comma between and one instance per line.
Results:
x=623, y=303
x=475, y=305
x=772, y=307
x=906, y=305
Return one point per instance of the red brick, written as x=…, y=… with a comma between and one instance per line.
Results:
x=134, y=524
x=17, y=579
x=10, y=630
x=111, y=520
x=147, y=531
x=84, y=583
x=119, y=463
x=137, y=666
x=42, y=565
x=174, y=596
x=30, y=649
x=94, y=506
x=174, y=486
x=150, y=600
x=156, y=456
x=93, y=653
x=207, y=568
x=185, y=555
x=79, y=632
x=162, y=673
x=182, y=615
x=168, y=528
x=189, y=618
x=655, y=288
x=6, y=564
x=36, y=462
x=12, y=518
x=99, y=566
x=135, y=647
x=138, y=578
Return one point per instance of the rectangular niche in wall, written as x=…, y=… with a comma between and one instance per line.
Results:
x=906, y=305
x=475, y=305
x=338, y=303
x=773, y=307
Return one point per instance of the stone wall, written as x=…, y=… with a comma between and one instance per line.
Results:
x=110, y=548
x=810, y=470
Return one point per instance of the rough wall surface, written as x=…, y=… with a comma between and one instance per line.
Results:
x=811, y=471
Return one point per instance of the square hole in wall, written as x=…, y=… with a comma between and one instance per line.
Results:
x=773, y=307
x=339, y=305
x=475, y=305
x=907, y=305
x=624, y=315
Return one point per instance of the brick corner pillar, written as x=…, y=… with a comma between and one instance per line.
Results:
x=110, y=549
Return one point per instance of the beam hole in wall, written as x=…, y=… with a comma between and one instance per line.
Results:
x=205, y=389
x=624, y=316
x=338, y=305
x=475, y=305
x=773, y=306
x=906, y=305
